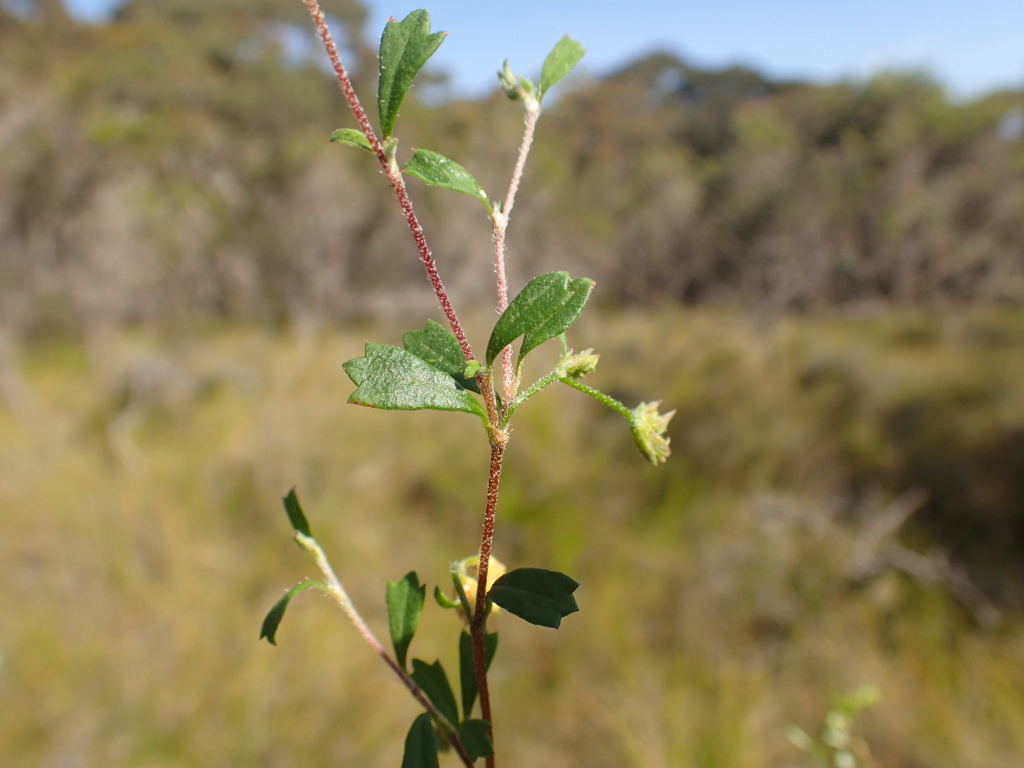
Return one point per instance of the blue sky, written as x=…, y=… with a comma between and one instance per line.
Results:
x=971, y=46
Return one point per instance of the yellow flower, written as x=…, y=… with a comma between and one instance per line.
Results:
x=468, y=575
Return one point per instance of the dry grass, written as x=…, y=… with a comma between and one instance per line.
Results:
x=143, y=541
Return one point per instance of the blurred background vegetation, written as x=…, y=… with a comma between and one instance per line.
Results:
x=827, y=282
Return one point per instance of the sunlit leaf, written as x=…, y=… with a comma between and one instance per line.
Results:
x=352, y=137
x=391, y=378
x=560, y=62
x=545, y=308
x=437, y=170
x=405, y=47
x=405, y=604
x=437, y=346
x=536, y=595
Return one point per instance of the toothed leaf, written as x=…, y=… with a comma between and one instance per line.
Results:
x=391, y=378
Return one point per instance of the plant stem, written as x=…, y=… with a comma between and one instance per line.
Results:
x=478, y=626
x=337, y=591
x=500, y=223
x=391, y=170
x=600, y=396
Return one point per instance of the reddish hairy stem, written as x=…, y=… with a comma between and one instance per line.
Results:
x=394, y=175
x=478, y=627
x=500, y=228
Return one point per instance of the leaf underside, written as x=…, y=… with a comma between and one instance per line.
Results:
x=396, y=380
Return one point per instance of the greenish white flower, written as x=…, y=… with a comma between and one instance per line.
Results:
x=577, y=365
x=648, y=428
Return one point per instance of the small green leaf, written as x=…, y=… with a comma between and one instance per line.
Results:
x=443, y=600
x=536, y=595
x=475, y=736
x=509, y=82
x=472, y=369
x=405, y=47
x=352, y=137
x=545, y=308
x=437, y=346
x=437, y=170
x=560, y=62
x=421, y=744
x=405, y=604
x=295, y=516
x=467, y=669
x=273, y=619
x=460, y=591
x=391, y=378
x=434, y=682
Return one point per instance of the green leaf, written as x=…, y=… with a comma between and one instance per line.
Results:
x=273, y=619
x=443, y=600
x=405, y=47
x=536, y=595
x=405, y=604
x=467, y=670
x=545, y=308
x=437, y=170
x=421, y=744
x=560, y=62
x=475, y=736
x=437, y=346
x=434, y=682
x=391, y=378
x=352, y=137
x=295, y=516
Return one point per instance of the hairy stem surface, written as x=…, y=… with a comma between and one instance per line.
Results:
x=394, y=175
x=478, y=627
x=500, y=221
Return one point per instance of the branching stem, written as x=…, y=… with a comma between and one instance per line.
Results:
x=498, y=436
x=500, y=225
x=394, y=175
x=337, y=591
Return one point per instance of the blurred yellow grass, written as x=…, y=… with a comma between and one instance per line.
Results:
x=144, y=540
